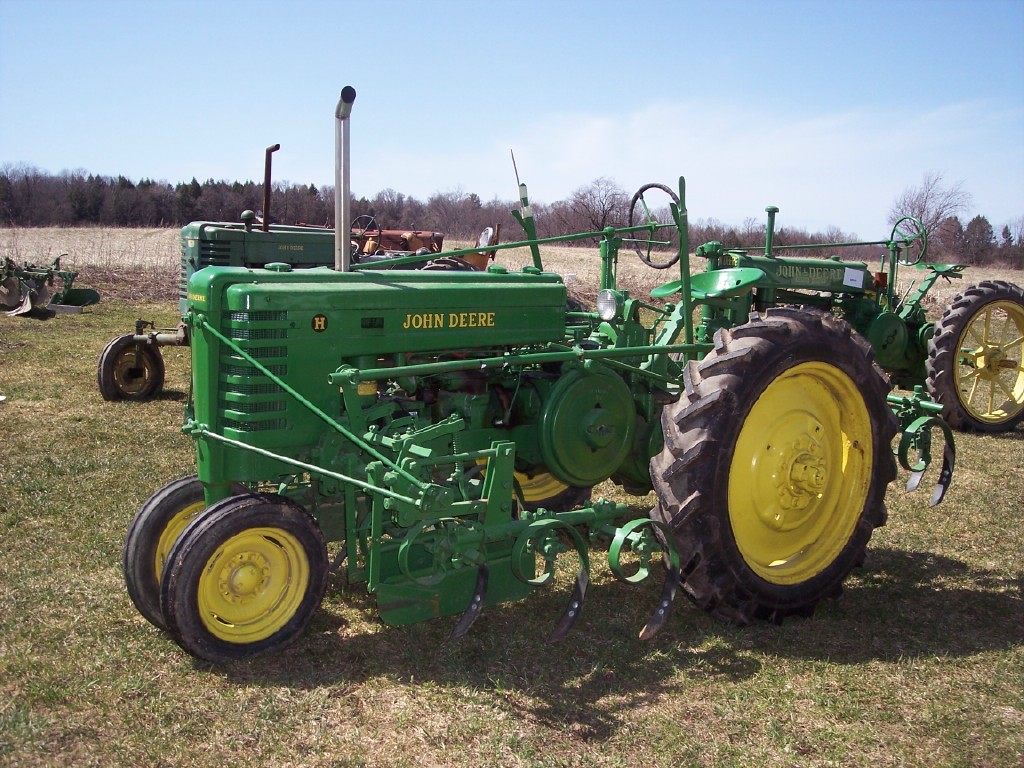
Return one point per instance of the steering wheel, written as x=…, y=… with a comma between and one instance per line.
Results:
x=360, y=226
x=643, y=209
x=910, y=236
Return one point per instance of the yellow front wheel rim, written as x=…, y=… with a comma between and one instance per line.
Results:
x=801, y=473
x=990, y=370
x=171, y=532
x=253, y=585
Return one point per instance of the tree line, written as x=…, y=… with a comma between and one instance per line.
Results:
x=33, y=198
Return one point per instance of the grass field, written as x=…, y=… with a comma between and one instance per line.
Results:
x=920, y=663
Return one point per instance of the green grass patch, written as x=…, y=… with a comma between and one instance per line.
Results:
x=921, y=662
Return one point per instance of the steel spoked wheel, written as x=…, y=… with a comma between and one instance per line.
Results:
x=244, y=578
x=772, y=506
x=127, y=370
x=976, y=358
x=152, y=533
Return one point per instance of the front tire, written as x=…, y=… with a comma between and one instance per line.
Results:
x=244, y=578
x=151, y=534
x=775, y=465
x=129, y=370
x=975, y=366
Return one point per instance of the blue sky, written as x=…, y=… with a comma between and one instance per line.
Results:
x=826, y=109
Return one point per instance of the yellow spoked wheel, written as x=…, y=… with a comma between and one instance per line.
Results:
x=151, y=534
x=245, y=578
x=976, y=358
x=775, y=465
x=800, y=473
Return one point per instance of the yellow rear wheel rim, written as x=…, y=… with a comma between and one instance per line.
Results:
x=990, y=368
x=539, y=487
x=253, y=585
x=801, y=473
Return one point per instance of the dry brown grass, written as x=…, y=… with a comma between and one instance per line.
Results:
x=921, y=663
x=143, y=264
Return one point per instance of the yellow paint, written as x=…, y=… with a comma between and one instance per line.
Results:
x=800, y=473
x=416, y=321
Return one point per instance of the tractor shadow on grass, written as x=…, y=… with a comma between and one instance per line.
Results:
x=908, y=605
x=901, y=605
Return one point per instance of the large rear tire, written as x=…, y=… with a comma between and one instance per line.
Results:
x=775, y=465
x=128, y=370
x=244, y=578
x=975, y=366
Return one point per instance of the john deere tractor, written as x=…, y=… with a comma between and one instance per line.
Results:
x=131, y=366
x=971, y=361
x=437, y=435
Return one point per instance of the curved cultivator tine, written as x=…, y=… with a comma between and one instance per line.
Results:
x=918, y=437
x=572, y=611
x=640, y=536
x=945, y=474
x=673, y=580
x=476, y=604
x=541, y=538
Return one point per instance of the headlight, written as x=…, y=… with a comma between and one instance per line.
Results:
x=608, y=304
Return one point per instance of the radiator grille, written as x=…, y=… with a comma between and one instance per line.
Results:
x=250, y=401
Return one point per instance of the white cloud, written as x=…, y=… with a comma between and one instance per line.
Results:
x=840, y=169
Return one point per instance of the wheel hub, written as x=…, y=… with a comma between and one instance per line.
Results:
x=244, y=577
x=800, y=478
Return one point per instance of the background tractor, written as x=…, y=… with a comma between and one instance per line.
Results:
x=971, y=361
x=442, y=430
x=131, y=366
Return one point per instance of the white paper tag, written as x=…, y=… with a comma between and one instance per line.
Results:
x=853, y=278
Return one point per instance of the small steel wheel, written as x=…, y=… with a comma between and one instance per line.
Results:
x=244, y=578
x=128, y=370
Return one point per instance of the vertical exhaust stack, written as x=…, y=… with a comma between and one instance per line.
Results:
x=266, y=186
x=342, y=196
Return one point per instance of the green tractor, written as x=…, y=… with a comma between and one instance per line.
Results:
x=131, y=366
x=436, y=434
x=971, y=361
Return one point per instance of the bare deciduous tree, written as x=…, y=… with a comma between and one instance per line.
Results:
x=931, y=203
x=599, y=204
